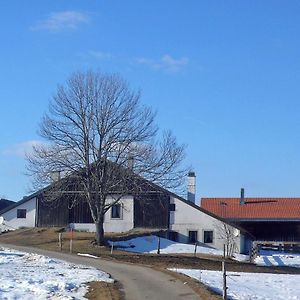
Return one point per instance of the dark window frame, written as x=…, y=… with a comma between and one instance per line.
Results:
x=193, y=236
x=208, y=236
x=21, y=213
x=116, y=211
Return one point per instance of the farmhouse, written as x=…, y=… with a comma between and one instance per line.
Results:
x=267, y=219
x=181, y=219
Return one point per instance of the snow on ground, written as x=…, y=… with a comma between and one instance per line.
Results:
x=87, y=255
x=273, y=258
x=30, y=276
x=247, y=286
x=148, y=244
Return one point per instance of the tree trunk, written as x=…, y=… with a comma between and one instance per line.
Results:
x=99, y=233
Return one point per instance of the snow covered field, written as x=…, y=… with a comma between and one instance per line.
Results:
x=32, y=276
x=246, y=286
x=148, y=244
x=273, y=258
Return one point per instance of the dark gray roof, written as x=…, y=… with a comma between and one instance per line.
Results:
x=5, y=203
x=24, y=200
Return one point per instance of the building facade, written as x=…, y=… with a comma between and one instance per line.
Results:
x=182, y=220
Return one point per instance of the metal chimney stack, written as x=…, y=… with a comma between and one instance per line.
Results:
x=242, y=199
x=191, y=195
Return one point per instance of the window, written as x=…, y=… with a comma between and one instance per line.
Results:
x=116, y=211
x=21, y=213
x=193, y=237
x=172, y=207
x=208, y=236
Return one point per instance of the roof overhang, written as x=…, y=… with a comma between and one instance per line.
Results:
x=262, y=220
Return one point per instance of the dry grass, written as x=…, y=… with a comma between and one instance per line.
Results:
x=104, y=291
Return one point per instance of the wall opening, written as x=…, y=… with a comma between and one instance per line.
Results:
x=193, y=236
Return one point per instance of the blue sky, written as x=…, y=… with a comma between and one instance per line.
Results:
x=223, y=76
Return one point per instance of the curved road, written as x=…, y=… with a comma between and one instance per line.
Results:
x=138, y=282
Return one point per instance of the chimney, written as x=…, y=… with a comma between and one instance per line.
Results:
x=55, y=176
x=242, y=199
x=130, y=162
x=191, y=195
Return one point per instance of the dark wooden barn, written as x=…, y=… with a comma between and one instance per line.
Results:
x=150, y=211
x=61, y=204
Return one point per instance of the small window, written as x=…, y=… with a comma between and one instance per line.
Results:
x=208, y=236
x=116, y=211
x=21, y=213
x=193, y=237
x=172, y=207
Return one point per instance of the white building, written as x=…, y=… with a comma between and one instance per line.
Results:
x=21, y=214
x=187, y=222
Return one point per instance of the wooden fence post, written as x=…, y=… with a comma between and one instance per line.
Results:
x=71, y=245
x=195, y=250
x=224, y=281
x=71, y=240
x=158, y=246
x=60, y=241
x=112, y=247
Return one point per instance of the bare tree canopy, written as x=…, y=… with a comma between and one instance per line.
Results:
x=98, y=134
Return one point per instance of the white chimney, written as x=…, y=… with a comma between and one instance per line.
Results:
x=55, y=176
x=191, y=195
x=130, y=162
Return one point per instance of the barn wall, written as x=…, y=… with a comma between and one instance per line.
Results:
x=11, y=220
x=80, y=213
x=186, y=218
x=151, y=211
x=52, y=214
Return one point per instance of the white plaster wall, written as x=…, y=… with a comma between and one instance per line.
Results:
x=11, y=222
x=123, y=224
x=186, y=218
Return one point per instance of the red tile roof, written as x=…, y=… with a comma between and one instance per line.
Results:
x=254, y=208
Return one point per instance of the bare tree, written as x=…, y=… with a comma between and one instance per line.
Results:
x=103, y=142
x=229, y=235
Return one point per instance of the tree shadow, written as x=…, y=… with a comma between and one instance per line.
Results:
x=267, y=261
x=278, y=260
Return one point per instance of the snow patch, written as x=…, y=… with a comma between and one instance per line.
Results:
x=247, y=286
x=148, y=244
x=30, y=276
x=278, y=259
x=87, y=255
